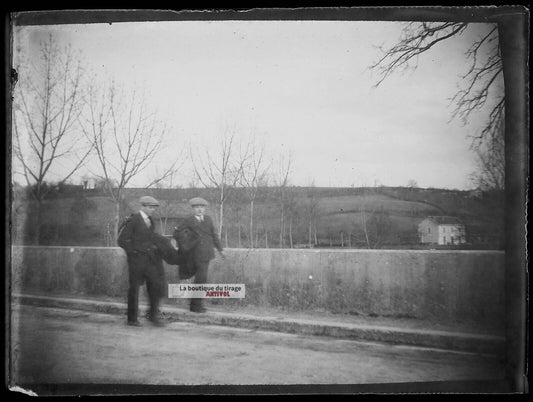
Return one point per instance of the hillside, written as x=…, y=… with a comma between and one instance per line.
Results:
x=323, y=217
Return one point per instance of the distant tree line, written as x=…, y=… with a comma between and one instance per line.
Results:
x=312, y=217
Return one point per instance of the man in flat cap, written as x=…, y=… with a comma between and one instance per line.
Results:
x=145, y=264
x=203, y=252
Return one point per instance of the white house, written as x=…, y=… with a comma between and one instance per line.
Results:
x=442, y=230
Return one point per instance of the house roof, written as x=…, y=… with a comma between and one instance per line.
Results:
x=445, y=220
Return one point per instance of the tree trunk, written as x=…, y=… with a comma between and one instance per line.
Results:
x=239, y=231
x=251, y=223
x=116, y=220
x=310, y=235
x=365, y=229
x=290, y=233
x=281, y=228
x=39, y=217
x=221, y=212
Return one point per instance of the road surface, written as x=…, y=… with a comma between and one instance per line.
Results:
x=67, y=346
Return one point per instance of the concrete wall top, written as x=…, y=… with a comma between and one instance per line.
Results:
x=303, y=250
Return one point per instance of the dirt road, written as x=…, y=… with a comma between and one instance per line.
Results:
x=66, y=346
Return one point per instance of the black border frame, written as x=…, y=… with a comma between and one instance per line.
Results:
x=513, y=23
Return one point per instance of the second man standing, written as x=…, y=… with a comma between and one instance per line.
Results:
x=203, y=252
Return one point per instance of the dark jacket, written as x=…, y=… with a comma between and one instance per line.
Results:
x=208, y=239
x=136, y=238
x=166, y=249
x=195, y=243
x=186, y=240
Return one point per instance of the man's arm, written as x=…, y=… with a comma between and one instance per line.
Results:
x=125, y=236
x=216, y=239
x=166, y=249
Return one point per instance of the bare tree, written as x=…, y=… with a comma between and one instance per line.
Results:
x=313, y=211
x=282, y=180
x=222, y=172
x=490, y=165
x=126, y=136
x=366, y=215
x=513, y=28
x=292, y=209
x=253, y=176
x=380, y=226
x=46, y=104
x=364, y=220
x=477, y=89
x=375, y=220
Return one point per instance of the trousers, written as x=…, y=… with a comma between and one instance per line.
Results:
x=200, y=277
x=143, y=269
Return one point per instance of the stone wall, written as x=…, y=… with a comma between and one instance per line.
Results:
x=438, y=285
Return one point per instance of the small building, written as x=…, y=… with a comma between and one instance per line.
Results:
x=442, y=230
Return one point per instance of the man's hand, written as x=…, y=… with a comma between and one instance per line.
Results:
x=222, y=255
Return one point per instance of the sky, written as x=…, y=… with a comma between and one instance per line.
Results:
x=303, y=88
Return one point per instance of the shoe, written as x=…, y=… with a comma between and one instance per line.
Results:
x=134, y=323
x=157, y=323
x=198, y=309
x=148, y=316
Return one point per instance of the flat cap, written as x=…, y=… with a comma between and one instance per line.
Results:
x=147, y=200
x=198, y=201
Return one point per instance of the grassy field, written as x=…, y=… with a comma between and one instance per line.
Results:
x=388, y=216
